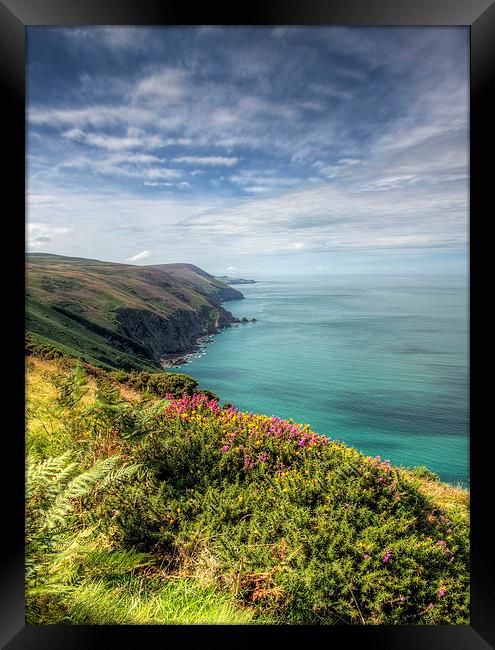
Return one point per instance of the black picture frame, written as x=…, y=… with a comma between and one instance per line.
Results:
x=15, y=16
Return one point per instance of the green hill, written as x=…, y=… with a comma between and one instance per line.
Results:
x=227, y=280
x=120, y=315
x=215, y=288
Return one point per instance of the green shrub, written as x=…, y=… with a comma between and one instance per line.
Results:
x=160, y=383
x=420, y=471
x=291, y=527
x=312, y=533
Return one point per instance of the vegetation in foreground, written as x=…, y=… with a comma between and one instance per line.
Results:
x=174, y=510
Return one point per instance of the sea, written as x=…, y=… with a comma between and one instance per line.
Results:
x=380, y=363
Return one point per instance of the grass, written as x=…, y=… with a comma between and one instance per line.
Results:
x=145, y=601
x=209, y=515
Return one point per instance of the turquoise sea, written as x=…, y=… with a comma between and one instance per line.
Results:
x=379, y=363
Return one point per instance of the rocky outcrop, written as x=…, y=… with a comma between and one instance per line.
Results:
x=175, y=334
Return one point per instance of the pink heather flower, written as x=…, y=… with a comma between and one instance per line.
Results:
x=387, y=556
x=441, y=542
x=431, y=606
x=402, y=599
x=225, y=448
x=366, y=556
x=441, y=592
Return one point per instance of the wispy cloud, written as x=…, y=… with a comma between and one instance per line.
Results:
x=210, y=161
x=41, y=234
x=288, y=141
x=139, y=256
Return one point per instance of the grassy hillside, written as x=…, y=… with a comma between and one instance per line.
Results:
x=118, y=315
x=153, y=508
x=211, y=286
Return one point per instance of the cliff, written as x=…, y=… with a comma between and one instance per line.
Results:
x=121, y=315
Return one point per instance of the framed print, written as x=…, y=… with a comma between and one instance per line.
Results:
x=245, y=251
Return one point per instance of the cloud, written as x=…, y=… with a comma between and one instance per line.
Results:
x=161, y=173
x=166, y=85
x=114, y=39
x=75, y=134
x=40, y=198
x=39, y=234
x=231, y=268
x=253, y=141
x=210, y=161
x=136, y=138
x=128, y=166
x=139, y=256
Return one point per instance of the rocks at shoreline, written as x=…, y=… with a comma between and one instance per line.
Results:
x=172, y=360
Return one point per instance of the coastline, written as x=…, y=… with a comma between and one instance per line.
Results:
x=178, y=359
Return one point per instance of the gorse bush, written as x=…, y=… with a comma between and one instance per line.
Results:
x=160, y=383
x=298, y=526
x=259, y=519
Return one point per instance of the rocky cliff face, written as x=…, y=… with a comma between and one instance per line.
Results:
x=174, y=334
x=227, y=293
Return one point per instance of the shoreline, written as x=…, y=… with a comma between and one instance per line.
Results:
x=178, y=359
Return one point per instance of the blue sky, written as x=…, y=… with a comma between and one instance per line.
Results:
x=251, y=150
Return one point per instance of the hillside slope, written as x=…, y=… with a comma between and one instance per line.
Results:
x=121, y=315
x=201, y=280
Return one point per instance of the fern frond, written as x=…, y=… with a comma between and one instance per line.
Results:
x=120, y=475
x=80, y=486
x=39, y=475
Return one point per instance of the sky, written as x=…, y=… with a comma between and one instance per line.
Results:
x=251, y=150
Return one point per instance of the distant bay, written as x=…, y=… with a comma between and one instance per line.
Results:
x=379, y=363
